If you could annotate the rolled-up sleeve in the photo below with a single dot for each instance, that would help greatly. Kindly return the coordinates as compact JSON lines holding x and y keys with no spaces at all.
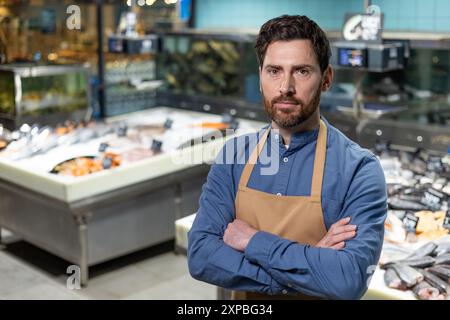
{"x":328,"y":273}
{"x":209,"y":258}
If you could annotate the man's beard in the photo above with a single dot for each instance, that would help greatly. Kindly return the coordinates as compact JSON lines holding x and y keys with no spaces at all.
{"x":292,"y":118}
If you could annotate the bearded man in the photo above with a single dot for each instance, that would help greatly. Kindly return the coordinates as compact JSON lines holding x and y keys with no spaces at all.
{"x":314,"y":227}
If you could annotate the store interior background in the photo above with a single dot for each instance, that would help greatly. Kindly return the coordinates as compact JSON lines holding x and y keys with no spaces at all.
{"x":426,"y":23}
{"x":35,"y":31}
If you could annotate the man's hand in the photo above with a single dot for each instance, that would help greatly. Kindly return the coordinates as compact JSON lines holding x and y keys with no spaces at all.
{"x":238,"y":234}
{"x":338,"y":234}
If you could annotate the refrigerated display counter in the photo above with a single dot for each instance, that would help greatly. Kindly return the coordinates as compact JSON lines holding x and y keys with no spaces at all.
{"x":33,"y":92}
{"x":88,"y":217}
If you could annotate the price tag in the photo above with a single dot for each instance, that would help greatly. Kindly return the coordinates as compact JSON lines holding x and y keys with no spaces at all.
{"x":168,"y":123}
{"x":156,"y":145}
{"x":446,"y":224}
{"x":447,"y":217}
{"x":410,"y":222}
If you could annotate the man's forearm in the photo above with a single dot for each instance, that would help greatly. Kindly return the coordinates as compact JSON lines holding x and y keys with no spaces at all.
{"x":212,"y":261}
{"x":321,"y":272}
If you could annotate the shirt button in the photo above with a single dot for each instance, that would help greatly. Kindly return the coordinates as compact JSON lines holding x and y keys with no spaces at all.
{"x":289,"y":285}
{"x":284,"y":291}
{"x":279,"y":194}
{"x":277,"y":136}
{"x":286,"y":159}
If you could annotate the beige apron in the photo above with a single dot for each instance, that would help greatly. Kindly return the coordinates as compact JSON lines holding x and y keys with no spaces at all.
{"x":297,"y":218}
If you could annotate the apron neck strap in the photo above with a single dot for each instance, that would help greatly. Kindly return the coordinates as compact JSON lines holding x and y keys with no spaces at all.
{"x":248,"y":168}
{"x":319,"y":161}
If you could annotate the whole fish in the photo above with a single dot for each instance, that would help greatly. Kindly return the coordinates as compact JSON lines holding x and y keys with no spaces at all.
{"x":443,"y":259}
{"x":446,"y":266}
{"x":422,"y":262}
{"x":408,"y":275}
{"x":410,"y":198}
{"x":425,"y":250}
{"x":398,"y":204}
{"x":441,"y":272}
{"x":392,"y":280}
{"x":442,"y":248}
{"x":435,"y":281}
{"x":393,"y":253}
{"x":424,"y":291}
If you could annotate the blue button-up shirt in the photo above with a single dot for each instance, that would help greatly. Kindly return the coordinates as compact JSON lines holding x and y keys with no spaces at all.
{"x":353,"y":185}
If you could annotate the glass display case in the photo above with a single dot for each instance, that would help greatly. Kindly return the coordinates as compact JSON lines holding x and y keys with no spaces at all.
{"x":209,"y":71}
{"x":130,"y":82}
{"x":197,"y":65}
{"x":419,"y":95}
{"x":218,"y":73}
{"x":45,"y":94}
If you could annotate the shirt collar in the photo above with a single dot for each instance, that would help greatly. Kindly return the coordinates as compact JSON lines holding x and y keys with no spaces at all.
{"x":299,"y":139}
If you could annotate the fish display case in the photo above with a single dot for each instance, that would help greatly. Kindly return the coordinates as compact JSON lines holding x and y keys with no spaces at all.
{"x":407,"y":107}
{"x":90,"y":192}
{"x":44,"y":94}
{"x":421,"y":126}
{"x":416,"y":252}
{"x":130,"y":83}
{"x":218,"y":72}
{"x":211,"y":72}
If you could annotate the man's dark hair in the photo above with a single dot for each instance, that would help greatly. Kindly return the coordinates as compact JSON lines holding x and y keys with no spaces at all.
{"x":296,"y":27}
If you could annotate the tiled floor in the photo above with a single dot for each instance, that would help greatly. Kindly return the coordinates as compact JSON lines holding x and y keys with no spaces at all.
{"x":27,"y":272}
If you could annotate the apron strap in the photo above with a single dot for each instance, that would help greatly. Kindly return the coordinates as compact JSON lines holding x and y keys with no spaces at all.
{"x":248,"y":168}
{"x":319,"y":161}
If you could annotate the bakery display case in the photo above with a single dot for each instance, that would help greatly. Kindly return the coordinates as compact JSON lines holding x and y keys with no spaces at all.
{"x":44,"y":94}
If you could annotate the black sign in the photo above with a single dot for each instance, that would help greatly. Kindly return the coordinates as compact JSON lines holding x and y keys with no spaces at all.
{"x":447,"y":216}
{"x":168,"y":123}
{"x":410,"y":222}
{"x":447,"y":220}
{"x":433,"y":199}
{"x":122,"y":130}
{"x":156,"y":145}
{"x":103,"y":146}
